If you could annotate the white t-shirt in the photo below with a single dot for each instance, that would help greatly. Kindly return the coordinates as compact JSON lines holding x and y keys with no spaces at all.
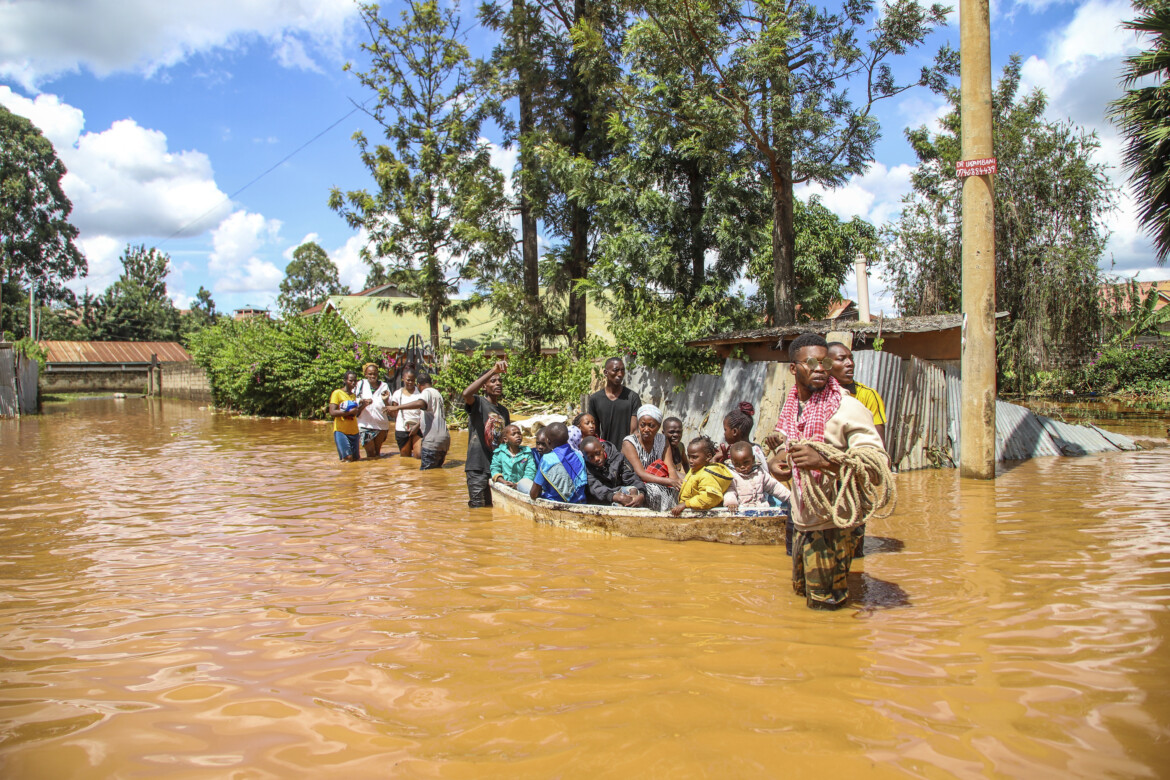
{"x":374,"y":415}
{"x":434,"y":425}
{"x":401,"y":396}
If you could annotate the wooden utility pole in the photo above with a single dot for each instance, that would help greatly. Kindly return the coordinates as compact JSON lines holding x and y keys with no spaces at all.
{"x":977,"y":421}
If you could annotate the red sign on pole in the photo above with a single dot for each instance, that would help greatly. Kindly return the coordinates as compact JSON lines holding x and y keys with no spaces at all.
{"x":984,"y":166}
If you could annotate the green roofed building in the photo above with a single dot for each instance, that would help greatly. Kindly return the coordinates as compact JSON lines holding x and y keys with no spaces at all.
{"x":371,"y":315}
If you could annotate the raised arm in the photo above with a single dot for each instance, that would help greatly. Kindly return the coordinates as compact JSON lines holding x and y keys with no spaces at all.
{"x":419,"y":404}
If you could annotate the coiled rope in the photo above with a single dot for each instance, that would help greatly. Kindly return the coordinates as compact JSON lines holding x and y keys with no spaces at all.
{"x":866,"y":487}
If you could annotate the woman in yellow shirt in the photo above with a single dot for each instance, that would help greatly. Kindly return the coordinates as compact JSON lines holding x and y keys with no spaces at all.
{"x":344,"y":408}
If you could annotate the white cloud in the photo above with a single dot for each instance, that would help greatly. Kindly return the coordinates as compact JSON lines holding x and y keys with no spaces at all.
{"x":504,"y":159}
{"x":45,"y":38}
{"x":124,"y":181}
{"x":101,"y":254}
{"x":351,"y":269}
{"x":874,"y":196}
{"x":290,"y":52}
{"x":235,"y":263}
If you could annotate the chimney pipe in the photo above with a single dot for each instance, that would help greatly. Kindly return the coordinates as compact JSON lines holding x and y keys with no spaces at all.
{"x":862,"y":289}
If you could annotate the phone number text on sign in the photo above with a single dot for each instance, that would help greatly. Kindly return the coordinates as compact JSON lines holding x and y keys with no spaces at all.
{"x":981,"y":167}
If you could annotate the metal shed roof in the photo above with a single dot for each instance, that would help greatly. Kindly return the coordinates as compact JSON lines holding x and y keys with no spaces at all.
{"x":115,"y":351}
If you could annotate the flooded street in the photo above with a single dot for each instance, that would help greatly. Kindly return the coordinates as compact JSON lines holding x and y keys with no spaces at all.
{"x":195,"y":596}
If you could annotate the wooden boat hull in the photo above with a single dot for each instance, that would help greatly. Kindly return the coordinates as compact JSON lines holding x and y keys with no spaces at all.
{"x":749,"y":526}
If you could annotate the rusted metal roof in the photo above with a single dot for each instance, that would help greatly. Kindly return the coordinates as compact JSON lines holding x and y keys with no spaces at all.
{"x":923,"y":324}
{"x":79,"y":352}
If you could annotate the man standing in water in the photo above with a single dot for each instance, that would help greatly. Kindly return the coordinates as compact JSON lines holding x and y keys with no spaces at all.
{"x":613,"y":407}
{"x":842,"y":371}
{"x":486,"y":419}
{"x":816,"y":409}
{"x":434,"y":438}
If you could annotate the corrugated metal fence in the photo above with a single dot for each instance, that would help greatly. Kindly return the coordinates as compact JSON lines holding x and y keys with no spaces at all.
{"x":922,"y":404}
{"x":8,"y":399}
{"x":27,"y":373}
{"x":18,"y":384}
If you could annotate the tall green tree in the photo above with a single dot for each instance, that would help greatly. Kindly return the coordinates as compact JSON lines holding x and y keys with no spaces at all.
{"x":1050,"y":205}
{"x":826,"y":247}
{"x":136,"y":307}
{"x":36,"y":239}
{"x":202,"y":314}
{"x":309,"y":278}
{"x":681,"y":204}
{"x":796,"y":82}
{"x":575,"y":144}
{"x":1143,"y":116}
{"x":439,"y":211}
{"x":521,"y":60}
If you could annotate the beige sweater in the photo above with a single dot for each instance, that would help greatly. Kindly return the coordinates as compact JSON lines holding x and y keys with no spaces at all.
{"x":852,"y":426}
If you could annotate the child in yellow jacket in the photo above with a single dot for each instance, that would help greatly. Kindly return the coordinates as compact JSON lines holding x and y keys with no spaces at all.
{"x":706,"y":481}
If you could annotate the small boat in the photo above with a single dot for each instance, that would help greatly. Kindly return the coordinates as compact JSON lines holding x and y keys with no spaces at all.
{"x":747,"y":526}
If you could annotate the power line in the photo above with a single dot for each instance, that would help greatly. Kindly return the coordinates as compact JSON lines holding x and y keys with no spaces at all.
{"x":281,"y":162}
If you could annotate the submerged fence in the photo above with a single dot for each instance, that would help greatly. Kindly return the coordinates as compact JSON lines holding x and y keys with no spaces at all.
{"x":922,"y":405}
{"x":18,"y":383}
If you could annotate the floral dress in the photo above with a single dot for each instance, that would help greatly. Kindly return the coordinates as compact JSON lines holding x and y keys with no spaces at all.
{"x":658,"y":497}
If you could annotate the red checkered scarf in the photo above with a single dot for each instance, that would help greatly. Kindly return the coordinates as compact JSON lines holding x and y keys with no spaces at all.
{"x":822,"y":405}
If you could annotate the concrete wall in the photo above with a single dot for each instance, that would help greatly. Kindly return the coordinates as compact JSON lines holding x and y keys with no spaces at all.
{"x":186,"y":381}
{"x":94,"y":380}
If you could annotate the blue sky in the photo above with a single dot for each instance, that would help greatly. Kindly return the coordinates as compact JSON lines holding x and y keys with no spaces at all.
{"x":163,"y":111}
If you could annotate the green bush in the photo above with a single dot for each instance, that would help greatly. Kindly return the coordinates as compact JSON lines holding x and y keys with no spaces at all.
{"x":555,"y":380}
{"x":1129,"y":368}
{"x":283,"y":367}
{"x":32,"y":350}
{"x":657,"y":334}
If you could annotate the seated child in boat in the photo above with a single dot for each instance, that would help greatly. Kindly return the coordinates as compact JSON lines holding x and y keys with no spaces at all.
{"x":611,"y":479}
{"x":751,"y":484}
{"x":737,"y":427}
{"x":512,"y":462}
{"x":706,"y":482}
{"x":672,"y":429}
{"x":587,"y":423}
{"x":560,"y":475}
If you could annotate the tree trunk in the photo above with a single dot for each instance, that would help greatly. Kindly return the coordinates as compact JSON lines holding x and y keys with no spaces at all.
{"x":578,"y":261}
{"x":433,"y":316}
{"x":528,"y":246}
{"x":578,"y":269}
{"x":783,"y":210}
{"x":695,"y":182}
{"x":783,"y":249}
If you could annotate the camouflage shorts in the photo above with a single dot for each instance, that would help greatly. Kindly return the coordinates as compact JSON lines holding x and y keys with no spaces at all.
{"x":820,"y":566}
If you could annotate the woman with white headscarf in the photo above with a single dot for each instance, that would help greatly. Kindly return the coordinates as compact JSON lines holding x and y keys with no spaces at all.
{"x":651,"y":460}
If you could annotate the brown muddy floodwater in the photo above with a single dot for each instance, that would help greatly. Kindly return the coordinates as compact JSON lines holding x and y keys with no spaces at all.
{"x":187,"y":595}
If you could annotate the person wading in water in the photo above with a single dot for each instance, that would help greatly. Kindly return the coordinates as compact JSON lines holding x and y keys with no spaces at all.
{"x":486,"y":419}
{"x":817,"y":410}
{"x":842,"y":371}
